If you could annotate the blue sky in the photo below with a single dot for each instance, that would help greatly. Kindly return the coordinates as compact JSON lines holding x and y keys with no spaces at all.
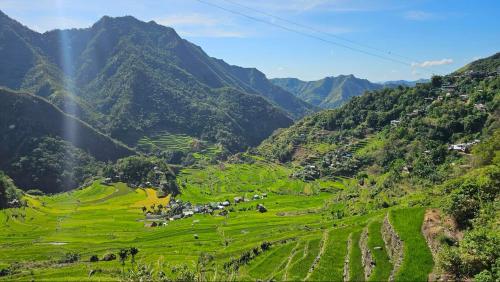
{"x":425,"y":36}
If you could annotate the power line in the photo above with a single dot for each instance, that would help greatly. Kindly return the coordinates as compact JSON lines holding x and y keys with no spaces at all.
{"x":388,"y":52}
{"x":305,"y":34}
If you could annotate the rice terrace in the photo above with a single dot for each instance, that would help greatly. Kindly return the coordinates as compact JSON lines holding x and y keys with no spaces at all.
{"x":133,"y":147}
{"x":305,"y":241}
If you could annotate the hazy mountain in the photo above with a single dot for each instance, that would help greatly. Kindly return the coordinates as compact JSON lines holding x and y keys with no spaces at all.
{"x":329,"y":92}
{"x":409,"y":83}
{"x":130,"y":78}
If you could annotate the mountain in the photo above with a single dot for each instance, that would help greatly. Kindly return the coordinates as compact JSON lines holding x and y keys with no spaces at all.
{"x":36,"y":144}
{"x":403,"y":123}
{"x":395,"y":83}
{"x":130,"y":79}
{"x":329,"y":92}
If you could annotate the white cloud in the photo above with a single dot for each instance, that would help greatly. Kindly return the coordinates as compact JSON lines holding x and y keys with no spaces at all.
{"x":200,"y":25}
{"x":418,"y":16}
{"x":426,"y":64}
{"x":211,"y":32}
{"x":188,"y":20}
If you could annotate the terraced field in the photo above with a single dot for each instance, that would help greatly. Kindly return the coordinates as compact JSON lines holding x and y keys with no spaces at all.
{"x":307,"y":244}
{"x":178,"y":142}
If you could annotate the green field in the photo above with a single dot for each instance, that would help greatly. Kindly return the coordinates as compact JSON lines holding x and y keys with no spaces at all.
{"x":307,"y":242}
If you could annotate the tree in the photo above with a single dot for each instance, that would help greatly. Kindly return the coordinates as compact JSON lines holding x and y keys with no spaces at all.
{"x":123,"y":254}
{"x":436,"y":81}
{"x":133,"y":251}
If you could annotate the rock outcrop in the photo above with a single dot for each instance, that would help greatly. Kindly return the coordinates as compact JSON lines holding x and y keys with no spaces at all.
{"x":347,"y":258}
{"x":394,"y":246}
{"x":366,"y":255}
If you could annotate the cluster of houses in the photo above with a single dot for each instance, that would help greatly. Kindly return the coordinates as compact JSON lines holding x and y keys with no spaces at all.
{"x":463,"y":147}
{"x":479,"y":74}
{"x":177,"y":209}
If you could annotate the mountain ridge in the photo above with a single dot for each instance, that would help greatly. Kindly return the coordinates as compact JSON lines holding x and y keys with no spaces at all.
{"x":99,"y":75}
{"x":334,"y":91}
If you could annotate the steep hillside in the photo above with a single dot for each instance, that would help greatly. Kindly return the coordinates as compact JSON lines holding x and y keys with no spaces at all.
{"x":448,"y":110}
{"x":329,"y":92}
{"x":26,"y":121}
{"x":132,"y":79}
{"x":440,"y":137}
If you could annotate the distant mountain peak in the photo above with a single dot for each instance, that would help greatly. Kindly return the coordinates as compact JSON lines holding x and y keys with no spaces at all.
{"x":329,"y":92}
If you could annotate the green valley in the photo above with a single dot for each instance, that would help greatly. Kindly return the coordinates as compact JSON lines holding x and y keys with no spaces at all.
{"x":127,"y":153}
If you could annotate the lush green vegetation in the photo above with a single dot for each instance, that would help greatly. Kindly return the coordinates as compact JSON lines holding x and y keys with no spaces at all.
{"x":356,"y":272}
{"x":131,"y":79}
{"x":301,"y":194}
{"x":383,"y":265}
{"x":87,"y":224}
{"x":417,"y":262}
{"x":8,"y":191}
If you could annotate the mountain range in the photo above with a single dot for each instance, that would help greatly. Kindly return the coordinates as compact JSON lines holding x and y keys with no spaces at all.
{"x":129,"y":79}
{"x":332,"y":92}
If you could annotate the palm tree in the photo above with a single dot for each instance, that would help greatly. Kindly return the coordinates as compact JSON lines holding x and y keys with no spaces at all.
{"x":133,"y":251}
{"x":123,"y":253}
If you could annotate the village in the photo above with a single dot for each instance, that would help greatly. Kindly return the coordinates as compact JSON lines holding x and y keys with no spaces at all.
{"x":176,"y":209}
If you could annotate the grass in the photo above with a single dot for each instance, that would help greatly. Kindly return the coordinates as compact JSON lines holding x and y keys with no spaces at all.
{"x":417,"y":262}
{"x":331,"y":265}
{"x":356,"y":272}
{"x":383,"y":265}
{"x":301,"y":266}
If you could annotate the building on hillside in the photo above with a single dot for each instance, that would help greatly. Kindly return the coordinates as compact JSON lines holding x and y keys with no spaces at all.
{"x":480,"y":107}
{"x":395,"y":122}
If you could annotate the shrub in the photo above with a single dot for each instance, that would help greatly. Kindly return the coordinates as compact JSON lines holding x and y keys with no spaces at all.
{"x":35,"y":192}
{"x":109,"y":257}
{"x":94,"y":258}
{"x":70,"y":258}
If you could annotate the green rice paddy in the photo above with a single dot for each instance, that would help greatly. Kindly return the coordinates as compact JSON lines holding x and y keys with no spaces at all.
{"x":308,"y":244}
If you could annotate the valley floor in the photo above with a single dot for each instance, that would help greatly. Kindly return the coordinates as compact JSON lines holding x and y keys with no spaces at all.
{"x":307,"y":243}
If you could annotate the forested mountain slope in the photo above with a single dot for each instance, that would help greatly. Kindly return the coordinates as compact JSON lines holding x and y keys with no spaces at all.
{"x":37,"y":144}
{"x":132,"y":79}
{"x":441,"y":138}
{"x":329,"y":92}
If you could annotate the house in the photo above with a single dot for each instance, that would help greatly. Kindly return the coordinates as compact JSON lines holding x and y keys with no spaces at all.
{"x":220,"y":207}
{"x":14,"y":203}
{"x":464,"y":97}
{"x":395,"y":122}
{"x":107,"y":181}
{"x":413,"y":114}
{"x":256,"y":197}
{"x":448,"y":88}
{"x":226,"y":203}
{"x":238,"y":200}
{"x":198,"y":209}
{"x":264,"y":195}
{"x":187,"y":213}
{"x":480,"y":107}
